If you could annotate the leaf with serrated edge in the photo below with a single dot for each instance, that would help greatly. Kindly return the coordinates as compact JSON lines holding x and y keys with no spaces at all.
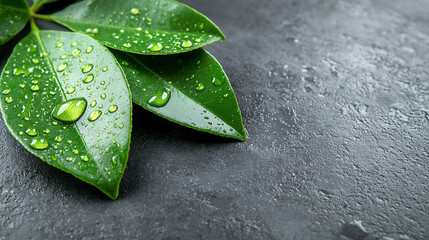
{"x":14,"y":14}
{"x":149,"y":27}
{"x":200,"y":95}
{"x":46,"y":69}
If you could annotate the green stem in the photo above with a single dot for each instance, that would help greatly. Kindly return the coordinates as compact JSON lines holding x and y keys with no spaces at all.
{"x":36,"y":6}
{"x":34,"y":27}
{"x":44,"y":17}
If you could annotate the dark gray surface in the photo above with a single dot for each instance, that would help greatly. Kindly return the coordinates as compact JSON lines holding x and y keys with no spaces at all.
{"x":334,"y":96}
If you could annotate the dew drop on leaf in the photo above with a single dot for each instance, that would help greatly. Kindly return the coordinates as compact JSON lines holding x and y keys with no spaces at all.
{"x":155,"y":47}
{"x":87,"y":67}
{"x":161,"y":98}
{"x":135,"y":11}
{"x":200,"y":87}
{"x":39,"y":143}
{"x":62,"y":67}
{"x":88,"y":78}
{"x":31,"y":132}
{"x":217,"y":82}
{"x":187,"y":44}
{"x":9,"y":99}
{"x":113,"y":108}
{"x":69,"y":111}
{"x":94,"y":115}
{"x":6,"y":91}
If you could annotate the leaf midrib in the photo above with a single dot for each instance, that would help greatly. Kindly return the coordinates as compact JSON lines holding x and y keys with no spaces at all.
{"x":117,"y":26}
{"x":37,"y":34}
{"x":14,"y":8}
{"x":161,"y":78}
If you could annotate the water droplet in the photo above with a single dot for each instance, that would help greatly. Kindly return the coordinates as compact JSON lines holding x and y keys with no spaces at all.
{"x":94,"y":115}
{"x":6,"y":91}
{"x":35,"y":88}
{"x":21,"y":85}
{"x":127,"y":45}
{"x":161,"y":98}
{"x":217,"y":82}
{"x":35,"y":61}
{"x":84,"y":158}
{"x":39,"y":143}
{"x":69,"y":159}
{"x":76,"y":151}
{"x":155,"y":47}
{"x":200,"y":87}
{"x":75,"y":52}
{"x":89,"y":49}
{"x":62,"y":67}
{"x":9,"y":99}
{"x":187,"y":44}
{"x":53,"y":158}
{"x":58,"y":139}
{"x":88,"y":67}
{"x":105,"y":69}
{"x":70,"y":90}
{"x":135,"y":11}
{"x":226,"y":95}
{"x":88,"y":78}
{"x":31,"y":132}
{"x":113,"y":108}
{"x":103,"y":96}
{"x":18,"y":72}
{"x":70,"y":111}
{"x":59,"y":44}
{"x":74,"y":44}
{"x":93,"y":103}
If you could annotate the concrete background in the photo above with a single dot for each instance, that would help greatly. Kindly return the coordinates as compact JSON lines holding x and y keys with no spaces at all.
{"x":334,"y":95}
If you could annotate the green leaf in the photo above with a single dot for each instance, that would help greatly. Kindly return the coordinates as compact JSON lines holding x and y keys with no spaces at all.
{"x":14,"y":14}
{"x":150,"y":27}
{"x":190,"y":89}
{"x":49,"y":68}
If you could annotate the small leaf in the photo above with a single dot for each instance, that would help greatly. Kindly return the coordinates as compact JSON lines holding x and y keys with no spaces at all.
{"x":48,"y":108}
{"x":150,"y":27}
{"x":190,"y":89}
{"x":14,"y":14}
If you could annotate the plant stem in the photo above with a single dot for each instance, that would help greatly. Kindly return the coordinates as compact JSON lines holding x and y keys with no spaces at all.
{"x":36,"y":7}
{"x":44,"y":17}
{"x":34,"y":27}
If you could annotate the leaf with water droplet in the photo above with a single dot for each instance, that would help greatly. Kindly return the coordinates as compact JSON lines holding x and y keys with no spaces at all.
{"x":149,"y":27}
{"x":187,"y":88}
{"x":46,"y":107}
{"x":14,"y":14}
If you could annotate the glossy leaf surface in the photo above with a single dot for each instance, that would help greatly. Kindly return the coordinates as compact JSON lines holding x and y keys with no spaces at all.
{"x":14,"y":14}
{"x":42,"y":79}
{"x":150,"y":27}
{"x":190,"y":89}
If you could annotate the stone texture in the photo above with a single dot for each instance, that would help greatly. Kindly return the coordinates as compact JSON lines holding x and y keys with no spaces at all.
{"x":334,"y":95}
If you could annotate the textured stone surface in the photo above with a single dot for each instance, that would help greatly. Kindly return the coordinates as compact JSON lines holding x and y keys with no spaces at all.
{"x":334,"y":95}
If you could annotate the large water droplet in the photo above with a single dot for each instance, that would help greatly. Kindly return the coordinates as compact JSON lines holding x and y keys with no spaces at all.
{"x":31,"y":132}
{"x":135,"y":11}
{"x":88,"y":78}
{"x":155,"y":47}
{"x":161,"y":98}
{"x":75,"y":52}
{"x":88,"y":67}
{"x":6,"y":91}
{"x":113,"y":108}
{"x":94,"y":115}
{"x":200,"y":87}
{"x":70,"y":90}
{"x":187,"y":44}
{"x":62,"y":67}
{"x":9,"y":99}
{"x":39,"y":143}
{"x":217,"y":81}
{"x":89,"y":49}
{"x":35,"y":88}
{"x":70,"y":111}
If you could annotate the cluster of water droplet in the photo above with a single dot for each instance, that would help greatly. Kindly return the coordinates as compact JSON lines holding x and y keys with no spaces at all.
{"x":138,"y":28}
{"x":66,"y":106}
